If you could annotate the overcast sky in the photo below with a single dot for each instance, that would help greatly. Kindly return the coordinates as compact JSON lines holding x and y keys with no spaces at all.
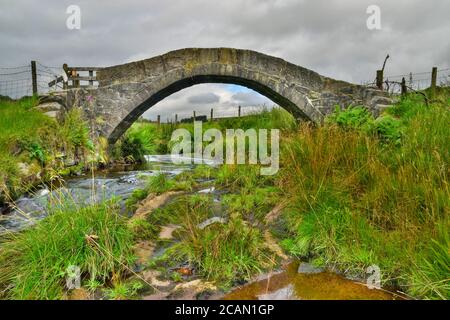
{"x":329,"y":37}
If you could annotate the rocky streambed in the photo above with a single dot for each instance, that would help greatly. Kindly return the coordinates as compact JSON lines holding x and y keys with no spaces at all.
{"x":292,"y":280}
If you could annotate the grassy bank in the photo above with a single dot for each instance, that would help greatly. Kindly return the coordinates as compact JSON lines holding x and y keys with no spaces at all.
{"x":364,"y":191}
{"x":35,"y":147}
{"x":34,"y":264}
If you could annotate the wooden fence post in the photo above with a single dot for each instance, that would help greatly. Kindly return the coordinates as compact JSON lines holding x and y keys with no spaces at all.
{"x":66,"y":83}
{"x":34,"y":77}
{"x":212,"y":114}
{"x":91,"y":74}
{"x":433,"y":83}
{"x":158,"y":120}
{"x":194,"y":116}
{"x":176,"y":118}
{"x":404,"y":90}
{"x":380,"y":79}
{"x":239,"y":111}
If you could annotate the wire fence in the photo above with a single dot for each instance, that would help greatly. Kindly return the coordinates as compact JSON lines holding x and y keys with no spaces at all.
{"x":17,"y":82}
{"x":200,"y":114}
{"x":417,"y":80}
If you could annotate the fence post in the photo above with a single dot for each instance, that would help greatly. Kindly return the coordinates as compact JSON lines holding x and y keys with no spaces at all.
{"x":212,"y":114}
{"x":176,"y":118}
{"x":380,"y":79}
{"x":239,"y":111}
{"x":66,"y":70}
{"x":34,"y":77}
{"x":78,"y":81}
{"x":404,"y":90}
{"x":91,"y":74}
{"x":158,"y":120}
{"x":194,"y":116}
{"x":433,"y":83}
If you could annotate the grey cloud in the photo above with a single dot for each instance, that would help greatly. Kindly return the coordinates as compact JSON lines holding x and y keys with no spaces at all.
{"x":203,"y":98}
{"x":327,"y":36}
{"x":248,"y":98}
{"x":180,"y":103}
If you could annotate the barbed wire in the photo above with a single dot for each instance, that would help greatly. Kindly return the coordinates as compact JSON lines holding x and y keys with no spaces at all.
{"x":10,"y":68}
{"x":415,"y":73}
{"x":14,"y":73}
{"x":412,"y":79}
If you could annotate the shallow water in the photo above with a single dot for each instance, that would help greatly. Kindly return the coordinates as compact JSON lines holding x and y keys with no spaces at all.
{"x":291,"y":285}
{"x":107,"y":184}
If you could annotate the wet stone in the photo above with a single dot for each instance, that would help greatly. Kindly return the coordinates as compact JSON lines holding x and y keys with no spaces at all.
{"x":287,"y":293}
{"x":307,"y":268}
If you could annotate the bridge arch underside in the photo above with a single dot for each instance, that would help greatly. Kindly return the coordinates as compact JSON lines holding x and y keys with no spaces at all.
{"x":290,"y":98}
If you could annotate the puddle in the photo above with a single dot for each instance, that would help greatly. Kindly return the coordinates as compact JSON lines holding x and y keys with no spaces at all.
{"x":291,"y":285}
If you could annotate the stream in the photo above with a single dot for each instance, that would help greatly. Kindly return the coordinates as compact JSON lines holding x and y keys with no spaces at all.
{"x":289,"y":282}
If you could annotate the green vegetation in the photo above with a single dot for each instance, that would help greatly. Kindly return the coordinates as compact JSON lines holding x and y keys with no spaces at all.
{"x":143,"y":138}
{"x":364,"y":191}
{"x":232,"y":249}
{"x":386,"y":127}
{"x":95,"y":238}
{"x":356,"y":191}
{"x":253,"y":205}
{"x":225,"y":253}
{"x":35,"y":147}
{"x":157,"y":184}
{"x":125,"y":290}
{"x":268,"y":119}
{"x":148,"y":138}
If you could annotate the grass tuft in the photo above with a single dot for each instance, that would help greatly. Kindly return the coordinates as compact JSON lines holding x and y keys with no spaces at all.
{"x":33,"y":263}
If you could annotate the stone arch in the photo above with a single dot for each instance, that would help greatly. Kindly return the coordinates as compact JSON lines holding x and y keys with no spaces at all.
{"x":126,"y":91}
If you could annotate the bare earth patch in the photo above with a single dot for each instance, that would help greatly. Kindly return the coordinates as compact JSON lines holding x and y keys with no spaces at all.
{"x":166,"y":232}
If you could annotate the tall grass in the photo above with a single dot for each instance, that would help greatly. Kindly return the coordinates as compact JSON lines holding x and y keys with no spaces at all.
{"x":34,"y":263}
{"x":33,"y":145}
{"x":228,"y":253}
{"x":360,"y":197}
{"x":23,"y":132}
{"x":225,"y":253}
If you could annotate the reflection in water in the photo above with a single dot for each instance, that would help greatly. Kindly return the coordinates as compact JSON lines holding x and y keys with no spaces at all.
{"x":290,"y":284}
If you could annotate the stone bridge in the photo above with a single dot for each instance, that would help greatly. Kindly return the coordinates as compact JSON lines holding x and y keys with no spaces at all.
{"x":126,"y":91}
